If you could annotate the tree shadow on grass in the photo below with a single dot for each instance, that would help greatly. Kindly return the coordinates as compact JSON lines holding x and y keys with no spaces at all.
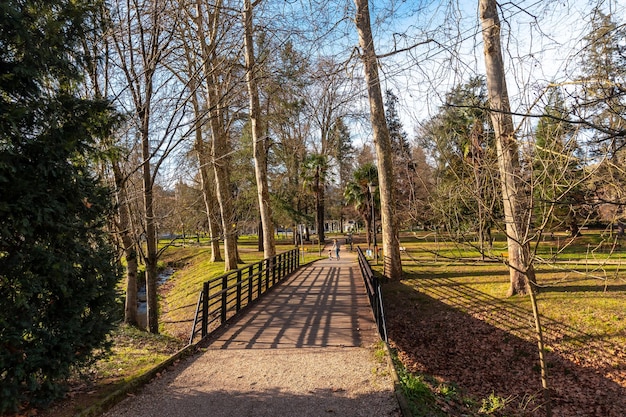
{"x":453,"y":342}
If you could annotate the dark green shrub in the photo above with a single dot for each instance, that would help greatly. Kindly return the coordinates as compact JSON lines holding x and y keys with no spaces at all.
{"x":57,"y":271}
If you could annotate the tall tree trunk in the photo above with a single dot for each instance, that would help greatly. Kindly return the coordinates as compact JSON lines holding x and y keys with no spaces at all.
{"x":391,"y":244}
{"x":516,"y":210}
{"x":139,"y":64}
{"x":221,"y":163}
{"x":128,"y":245}
{"x":259,"y":145}
{"x":516,"y":204}
{"x":319,"y":204}
{"x":150,"y":224}
{"x":220,"y":158}
{"x":206,"y":177}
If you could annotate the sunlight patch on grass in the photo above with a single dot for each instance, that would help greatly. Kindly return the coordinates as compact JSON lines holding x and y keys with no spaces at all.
{"x":134,"y":352}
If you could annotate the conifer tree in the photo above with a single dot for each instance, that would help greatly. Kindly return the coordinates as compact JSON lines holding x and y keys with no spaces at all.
{"x":57,"y":273}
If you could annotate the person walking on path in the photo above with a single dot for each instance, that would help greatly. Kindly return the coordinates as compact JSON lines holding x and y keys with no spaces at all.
{"x":336,"y":248}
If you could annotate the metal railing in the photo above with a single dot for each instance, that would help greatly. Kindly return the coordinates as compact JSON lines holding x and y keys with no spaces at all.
{"x":374,"y":293}
{"x":224,"y":296}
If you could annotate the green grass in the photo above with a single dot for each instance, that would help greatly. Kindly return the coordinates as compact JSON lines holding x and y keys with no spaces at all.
{"x":418,"y":392}
{"x":583,"y":303}
{"x":134,"y":352}
{"x":591,"y":246}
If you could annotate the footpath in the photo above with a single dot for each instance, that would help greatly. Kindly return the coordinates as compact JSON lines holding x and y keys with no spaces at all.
{"x":307,"y":348}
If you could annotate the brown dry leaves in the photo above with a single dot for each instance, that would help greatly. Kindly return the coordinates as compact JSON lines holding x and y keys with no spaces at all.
{"x":480,"y":359}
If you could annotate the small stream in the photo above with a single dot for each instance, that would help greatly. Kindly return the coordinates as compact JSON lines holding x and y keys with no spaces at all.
{"x":142,"y":306}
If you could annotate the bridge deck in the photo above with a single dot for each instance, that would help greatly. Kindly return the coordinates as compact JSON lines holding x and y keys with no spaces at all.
{"x":321,"y":305}
{"x":305,"y":349}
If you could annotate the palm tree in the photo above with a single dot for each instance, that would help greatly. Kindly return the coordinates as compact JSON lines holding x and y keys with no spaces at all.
{"x":357,"y":193}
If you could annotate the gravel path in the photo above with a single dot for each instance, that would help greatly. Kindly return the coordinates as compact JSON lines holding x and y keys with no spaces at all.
{"x":306,"y":349}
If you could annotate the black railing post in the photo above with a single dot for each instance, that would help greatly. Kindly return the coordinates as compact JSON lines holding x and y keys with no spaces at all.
{"x":275,"y":264}
{"x":268,"y":264}
{"x":239,"y":284}
{"x":205,"y":309}
{"x":224,"y":297}
{"x":250,"y":270}
{"x":260,"y":278}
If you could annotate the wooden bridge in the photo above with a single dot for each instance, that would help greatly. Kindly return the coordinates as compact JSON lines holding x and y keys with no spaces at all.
{"x":306,"y":348}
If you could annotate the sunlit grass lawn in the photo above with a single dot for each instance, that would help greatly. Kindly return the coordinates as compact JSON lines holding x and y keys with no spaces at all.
{"x":583,"y":301}
{"x":592,"y":246}
{"x":134,"y":352}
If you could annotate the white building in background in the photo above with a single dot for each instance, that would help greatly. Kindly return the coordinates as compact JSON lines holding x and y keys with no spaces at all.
{"x":335,"y":226}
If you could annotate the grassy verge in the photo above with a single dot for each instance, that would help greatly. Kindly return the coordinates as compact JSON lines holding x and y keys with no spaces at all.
{"x":592,"y":246}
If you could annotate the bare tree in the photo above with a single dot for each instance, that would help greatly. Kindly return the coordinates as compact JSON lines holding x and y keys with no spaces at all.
{"x":329,"y":99}
{"x":128,"y":239}
{"x":142,"y":45}
{"x":517,"y":208}
{"x":122,"y":222}
{"x":391,"y":245}
{"x":211,"y":25}
{"x":516,"y":203}
{"x":192,"y":77}
{"x":259,"y":140}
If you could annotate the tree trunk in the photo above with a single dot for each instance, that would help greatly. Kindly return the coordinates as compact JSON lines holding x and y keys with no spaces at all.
{"x":391,"y":244}
{"x":220,"y":158}
{"x":260,"y":242}
{"x":516,"y":210}
{"x":319,"y":204}
{"x":206,"y":177}
{"x":258,"y":141}
{"x":128,"y":245}
{"x":224,"y":195}
{"x":150,"y":230}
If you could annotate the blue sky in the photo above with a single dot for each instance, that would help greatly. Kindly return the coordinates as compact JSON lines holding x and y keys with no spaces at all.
{"x":541,"y":40}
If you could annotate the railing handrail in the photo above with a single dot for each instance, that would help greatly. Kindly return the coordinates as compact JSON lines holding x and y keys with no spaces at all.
{"x":374,"y":293}
{"x":269,"y":272}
